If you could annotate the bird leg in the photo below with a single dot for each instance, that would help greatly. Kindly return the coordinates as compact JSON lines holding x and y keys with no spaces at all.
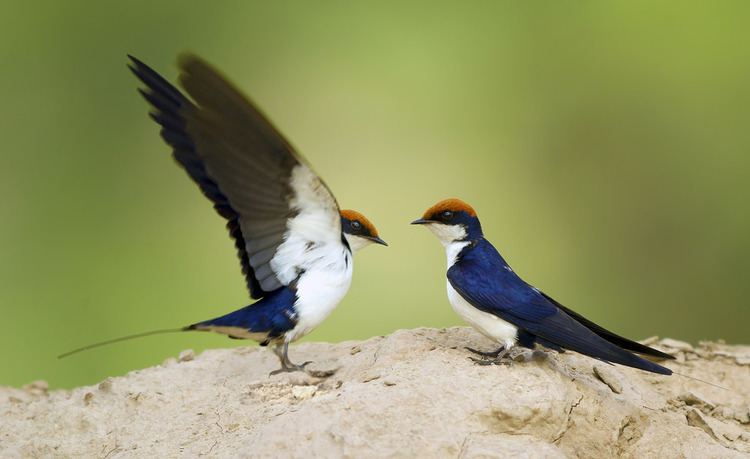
{"x":497,"y":357}
{"x":287,"y":366}
{"x":282,"y":352}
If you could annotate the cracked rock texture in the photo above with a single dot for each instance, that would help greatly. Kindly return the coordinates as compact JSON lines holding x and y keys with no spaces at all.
{"x":411,"y":394}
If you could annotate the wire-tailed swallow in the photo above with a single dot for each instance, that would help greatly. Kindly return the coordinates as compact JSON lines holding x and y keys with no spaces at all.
{"x":294,"y":244}
{"x":490,"y":296}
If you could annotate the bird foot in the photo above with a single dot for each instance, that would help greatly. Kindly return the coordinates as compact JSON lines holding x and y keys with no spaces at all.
{"x":492,"y":354}
{"x":496,"y":361}
{"x":302,"y":367}
{"x":290,"y":368}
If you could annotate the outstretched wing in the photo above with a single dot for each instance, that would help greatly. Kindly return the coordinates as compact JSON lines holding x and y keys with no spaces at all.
{"x":273,"y":202}
{"x":480,"y":279}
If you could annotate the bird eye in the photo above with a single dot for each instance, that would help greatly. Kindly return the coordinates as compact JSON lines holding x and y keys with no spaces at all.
{"x":447,"y":215}
{"x":356,"y":225}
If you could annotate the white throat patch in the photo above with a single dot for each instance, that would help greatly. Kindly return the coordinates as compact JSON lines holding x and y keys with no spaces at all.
{"x":451,"y":237}
{"x":356,"y":242}
{"x":447,"y":234}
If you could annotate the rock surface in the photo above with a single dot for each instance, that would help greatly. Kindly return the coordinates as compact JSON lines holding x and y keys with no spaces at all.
{"x":411,"y":394}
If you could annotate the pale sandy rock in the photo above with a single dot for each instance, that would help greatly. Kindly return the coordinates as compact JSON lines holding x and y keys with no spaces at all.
{"x":414,"y":393}
{"x":304,"y":392}
{"x":186,"y":355}
{"x":676,"y":344}
{"x":39,"y":387}
{"x":649,"y":341}
{"x":609,"y":376}
{"x":694,"y":399}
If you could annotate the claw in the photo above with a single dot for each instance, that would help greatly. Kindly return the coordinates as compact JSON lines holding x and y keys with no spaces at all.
{"x":281,"y":370}
{"x":302,"y":367}
{"x":497,"y":357}
{"x":492,"y":354}
{"x":482,"y":362}
{"x":487,"y":362}
{"x":287,"y":366}
{"x":474,"y":351}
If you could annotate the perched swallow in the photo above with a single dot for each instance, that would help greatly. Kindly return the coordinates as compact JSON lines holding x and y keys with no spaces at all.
{"x":294,"y":244}
{"x":490,"y":296}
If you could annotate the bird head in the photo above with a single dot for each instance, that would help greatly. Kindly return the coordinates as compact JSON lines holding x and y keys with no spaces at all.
{"x":358,"y":230}
{"x":451,"y":220}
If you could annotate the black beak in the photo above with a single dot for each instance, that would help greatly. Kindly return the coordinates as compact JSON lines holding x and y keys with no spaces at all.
{"x":377,"y":240}
{"x":421,"y":221}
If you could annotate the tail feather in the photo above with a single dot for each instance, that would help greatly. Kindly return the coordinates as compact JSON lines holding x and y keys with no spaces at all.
{"x":615,"y":354}
{"x":565,"y":331}
{"x":122,"y":338}
{"x":613,"y":338}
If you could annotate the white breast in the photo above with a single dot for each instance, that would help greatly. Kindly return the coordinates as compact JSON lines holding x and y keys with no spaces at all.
{"x":487,"y":324}
{"x":312,"y":253}
{"x":320,"y":289}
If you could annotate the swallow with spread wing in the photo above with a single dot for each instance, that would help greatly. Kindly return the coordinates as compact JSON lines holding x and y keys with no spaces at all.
{"x":294,"y":243}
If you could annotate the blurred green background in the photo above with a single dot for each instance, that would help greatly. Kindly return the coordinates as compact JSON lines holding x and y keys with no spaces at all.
{"x":604,"y":144}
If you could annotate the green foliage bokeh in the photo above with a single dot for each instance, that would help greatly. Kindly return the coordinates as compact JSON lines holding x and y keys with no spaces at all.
{"x":604,"y":145}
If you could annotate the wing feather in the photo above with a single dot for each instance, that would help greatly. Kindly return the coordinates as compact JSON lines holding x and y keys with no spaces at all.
{"x":480,"y":279}
{"x":248,"y":170}
{"x":613,"y":338}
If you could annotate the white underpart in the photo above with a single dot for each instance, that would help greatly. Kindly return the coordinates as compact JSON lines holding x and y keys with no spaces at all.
{"x":320,"y":290}
{"x":313,"y":251}
{"x":487,"y":324}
